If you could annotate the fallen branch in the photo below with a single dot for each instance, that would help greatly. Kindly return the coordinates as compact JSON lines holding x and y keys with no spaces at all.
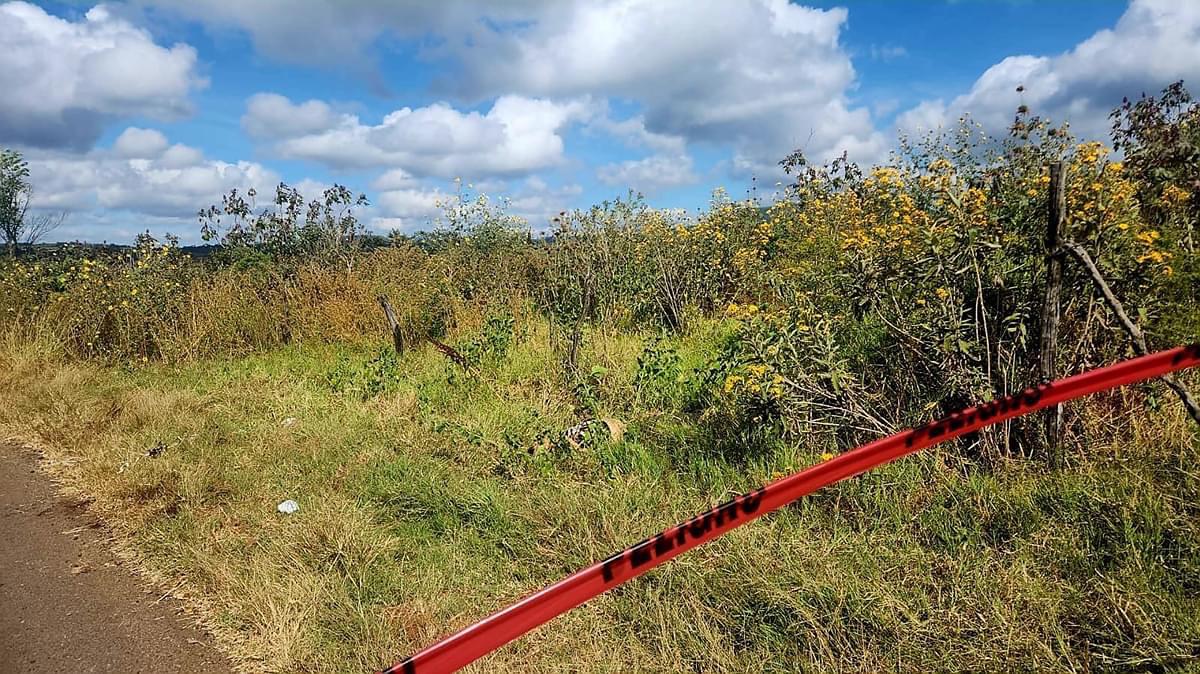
{"x":449,"y":352}
{"x":1131,"y":328}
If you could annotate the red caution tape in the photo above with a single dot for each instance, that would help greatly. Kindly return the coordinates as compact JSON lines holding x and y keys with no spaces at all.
{"x":504,"y":626}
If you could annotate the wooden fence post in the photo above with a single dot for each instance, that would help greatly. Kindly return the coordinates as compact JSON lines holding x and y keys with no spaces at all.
{"x":397,"y":334}
{"x":1048,"y":347}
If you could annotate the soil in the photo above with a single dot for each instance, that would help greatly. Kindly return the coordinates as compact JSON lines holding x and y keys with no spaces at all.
{"x":67,"y":603}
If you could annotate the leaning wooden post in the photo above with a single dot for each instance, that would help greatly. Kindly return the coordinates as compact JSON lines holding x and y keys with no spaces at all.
{"x":397,"y":335}
{"x":1050,"y":307}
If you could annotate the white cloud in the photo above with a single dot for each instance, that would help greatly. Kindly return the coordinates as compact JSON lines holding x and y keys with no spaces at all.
{"x":160,"y":182}
{"x":538,"y":202}
{"x":408,"y":209}
{"x":669,"y":166}
{"x":274,"y":116}
{"x":180,"y":156}
{"x":651,"y":174}
{"x":395,"y":179}
{"x":345,"y":30}
{"x":135,"y":143}
{"x":409,"y":205}
{"x":64,"y":81}
{"x":403,"y":202}
{"x":1154,"y":43}
{"x":120,"y":227}
{"x":517,"y":135}
{"x":633,"y":132}
{"x":762,"y":76}
{"x":765,"y":76}
{"x":311,"y":189}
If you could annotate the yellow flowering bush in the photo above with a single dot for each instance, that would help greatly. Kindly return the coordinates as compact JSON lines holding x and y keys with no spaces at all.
{"x":924,"y":279}
{"x":109,"y":306}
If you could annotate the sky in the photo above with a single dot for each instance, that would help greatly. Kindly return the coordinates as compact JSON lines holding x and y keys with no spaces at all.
{"x":135,"y":115}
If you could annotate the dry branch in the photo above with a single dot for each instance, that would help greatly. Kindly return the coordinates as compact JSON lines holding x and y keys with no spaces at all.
{"x":1131,"y":328}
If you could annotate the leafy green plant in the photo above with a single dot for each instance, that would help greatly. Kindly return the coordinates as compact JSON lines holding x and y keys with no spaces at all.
{"x":493,"y":342}
{"x":365,"y":379}
{"x":658,"y":373}
{"x":586,"y":388}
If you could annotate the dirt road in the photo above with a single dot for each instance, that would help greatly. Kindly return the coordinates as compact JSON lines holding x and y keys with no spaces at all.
{"x":67,"y":604}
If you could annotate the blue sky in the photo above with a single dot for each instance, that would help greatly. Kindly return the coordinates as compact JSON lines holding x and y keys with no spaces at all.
{"x":135,"y":115}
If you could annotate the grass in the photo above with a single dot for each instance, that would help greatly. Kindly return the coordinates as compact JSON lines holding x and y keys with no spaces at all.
{"x":436,"y":501}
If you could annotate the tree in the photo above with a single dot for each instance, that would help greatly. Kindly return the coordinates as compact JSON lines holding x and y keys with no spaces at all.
{"x":17,"y":224}
{"x":14,"y":197}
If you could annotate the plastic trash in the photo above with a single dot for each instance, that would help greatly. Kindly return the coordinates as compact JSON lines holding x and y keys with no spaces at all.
{"x":288,"y":507}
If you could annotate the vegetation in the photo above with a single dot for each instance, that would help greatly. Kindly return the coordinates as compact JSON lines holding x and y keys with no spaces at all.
{"x":447,"y":480}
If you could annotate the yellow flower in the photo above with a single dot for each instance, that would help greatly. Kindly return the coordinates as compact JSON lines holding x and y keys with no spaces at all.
{"x":1173,"y":195}
{"x":826,"y":456}
{"x":943,"y":293}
